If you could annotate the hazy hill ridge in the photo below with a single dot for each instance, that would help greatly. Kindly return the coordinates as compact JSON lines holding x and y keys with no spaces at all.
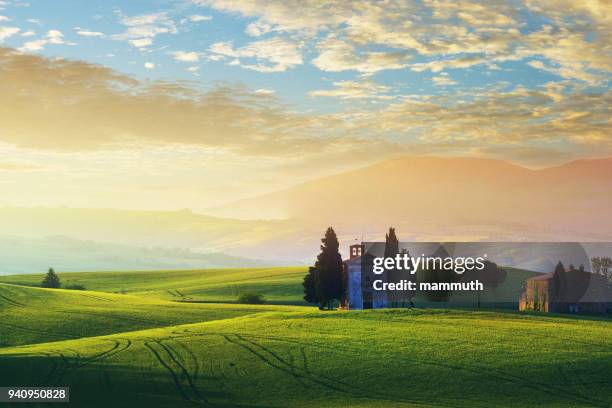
{"x":427,"y":199}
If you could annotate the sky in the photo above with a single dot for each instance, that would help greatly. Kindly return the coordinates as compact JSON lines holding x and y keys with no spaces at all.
{"x":196,"y":103}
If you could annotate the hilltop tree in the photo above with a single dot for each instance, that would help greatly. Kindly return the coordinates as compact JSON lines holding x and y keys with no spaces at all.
{"x":323,"y":284}
{"x":51,"y":280}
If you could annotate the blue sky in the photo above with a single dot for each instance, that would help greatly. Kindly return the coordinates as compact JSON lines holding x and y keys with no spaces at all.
{"x":233,"y":98}
{"x":95,"y":31}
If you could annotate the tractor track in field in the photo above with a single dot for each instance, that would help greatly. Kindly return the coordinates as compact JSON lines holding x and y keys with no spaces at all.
{"x":182,"y":372}
{"x":96,"y":297}
{"x":273,"y":360}
{"x":56,"y":335}
{"x":568,"y":378}
{"x":542,"y":387}
{"x":173,"y":374}
{"x":538,"y":386}
{"x":174,"y":357}
{"x":325,"y":382}
{"x":53,"y":369}
{"x":66,"y":365}
{"x":517,"y":380}
{"x":12,"y":301}
{"x":192,"y":356}
{"x":77,"y":361}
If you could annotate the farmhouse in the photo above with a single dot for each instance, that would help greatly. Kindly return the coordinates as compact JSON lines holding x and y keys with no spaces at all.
{"x":359,"y":285}
{"x":573,"y":291}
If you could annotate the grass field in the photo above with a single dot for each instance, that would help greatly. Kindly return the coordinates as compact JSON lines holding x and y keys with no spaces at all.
{"x":35,"y":315}
{"x":141,"y":350}
{"x":281,"y":285}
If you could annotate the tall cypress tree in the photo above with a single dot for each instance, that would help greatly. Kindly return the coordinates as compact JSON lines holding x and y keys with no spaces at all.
{"x":391,"y":250}
{"x":329,"y":265}
{"x":391,"y":244}
{"x":51,"y":280}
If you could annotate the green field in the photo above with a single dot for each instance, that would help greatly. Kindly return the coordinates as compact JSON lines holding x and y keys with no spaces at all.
{"x":140,"y":349}
{"x":35,"y":315}
{"x":281,"y":285}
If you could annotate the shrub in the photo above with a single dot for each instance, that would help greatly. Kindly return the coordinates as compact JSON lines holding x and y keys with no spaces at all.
{"x":75,"y":287}
{"x":251,"y":298}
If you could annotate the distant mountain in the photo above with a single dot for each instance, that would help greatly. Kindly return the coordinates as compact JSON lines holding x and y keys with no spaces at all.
{"x":36,"y":255}
{"x":479,"y":196}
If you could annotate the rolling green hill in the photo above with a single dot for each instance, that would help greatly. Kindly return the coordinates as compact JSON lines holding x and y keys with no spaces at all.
{"x":35,"y":315}
{"x":376,"y":358}
{"x":280,"y":285}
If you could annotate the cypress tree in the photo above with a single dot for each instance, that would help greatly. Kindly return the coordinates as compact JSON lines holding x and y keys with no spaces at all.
{"x":391,"y":244}
{"x":51,"y":280}
{"x":329,"y":264}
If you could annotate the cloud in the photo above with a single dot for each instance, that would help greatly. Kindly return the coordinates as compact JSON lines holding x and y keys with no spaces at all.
{"x":197,"y":18}
{"x":54,"y":37}
{"x":354,"y":90}
{"x":372,"y":36}
{"x":149,"y":65}
{"x":186,"y":56}
{"x":4,"y":18}
{"x":271,"y":55}
{"x":6,"y":32}
{"x":443,"y":80}
{"x":56,"y":104}
{"x":142,"y":29}
{"x":337,"y":56}
{"x":88,"y":33}
{"x":141,"y":42}
{"x":49,"y":105}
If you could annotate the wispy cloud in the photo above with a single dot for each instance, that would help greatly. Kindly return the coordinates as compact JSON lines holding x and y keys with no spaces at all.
{"x":197,"y":18}
{"x":88,"y":33}
{"x":54,"y":37}
{"x":449,"y":34}
{"x":186,"y":56}
{"x":142,"y":29}
{"x":443,"y":80}
{"x":355,"y":90}
{"x":270,"y":55}
{"x":6,"y":32}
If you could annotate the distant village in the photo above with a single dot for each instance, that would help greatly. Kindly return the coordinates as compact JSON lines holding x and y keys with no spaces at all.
{"x":351,"y":283}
